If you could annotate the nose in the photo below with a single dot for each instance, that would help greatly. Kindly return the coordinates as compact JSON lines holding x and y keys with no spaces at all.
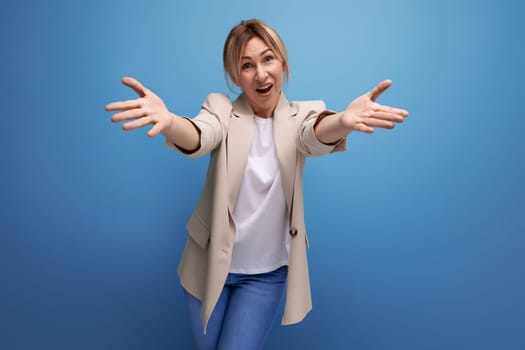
{"x":261,"y":73}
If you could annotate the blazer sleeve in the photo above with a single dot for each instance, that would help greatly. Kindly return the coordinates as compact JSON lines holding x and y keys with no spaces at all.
{"x":309,"y":113}
{"x":211,"y":123}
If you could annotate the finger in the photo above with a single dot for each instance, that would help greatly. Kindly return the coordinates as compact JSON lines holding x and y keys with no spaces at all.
{"x":123,"y":105}
{"x":155,"y":130}
{"x":135,"y":85}
{"x":379,"y":89}
{"x":394,"y":117}
{"x":379,"y":123}
{"x":136,"y":124}
{"x":362,"y":127}
{"x":126,"y":115}
{"x":383,"y":108}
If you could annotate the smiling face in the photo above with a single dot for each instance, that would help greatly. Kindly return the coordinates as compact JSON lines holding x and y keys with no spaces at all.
{"x":261,"y":77}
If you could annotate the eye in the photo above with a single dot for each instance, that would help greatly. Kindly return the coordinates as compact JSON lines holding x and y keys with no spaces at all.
{"x":246,"y":65}
{"x":268,"y":58}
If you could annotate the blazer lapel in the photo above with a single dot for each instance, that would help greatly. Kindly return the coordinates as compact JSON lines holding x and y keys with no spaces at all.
{"x":239,"y":141}
{"x":285,"y":134}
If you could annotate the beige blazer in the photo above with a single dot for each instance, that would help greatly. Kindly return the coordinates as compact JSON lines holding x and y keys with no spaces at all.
{"x":226,"y":132}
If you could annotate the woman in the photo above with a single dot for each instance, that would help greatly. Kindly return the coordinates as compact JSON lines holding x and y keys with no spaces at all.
{"x":247,"y":236}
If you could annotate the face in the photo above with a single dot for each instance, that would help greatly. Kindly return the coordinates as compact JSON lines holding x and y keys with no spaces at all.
{"x":261,"y":77}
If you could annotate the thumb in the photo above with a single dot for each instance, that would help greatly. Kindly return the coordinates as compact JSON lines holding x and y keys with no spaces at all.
{"x":379,"y":89}
{"x":135,"y":85}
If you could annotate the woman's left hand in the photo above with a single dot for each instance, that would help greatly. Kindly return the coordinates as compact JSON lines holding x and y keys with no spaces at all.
{"x":364,"y":114}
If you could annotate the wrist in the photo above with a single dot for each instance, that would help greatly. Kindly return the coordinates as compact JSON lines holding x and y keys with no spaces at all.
{"x":346,"y":121}
{"x":167,"y":131}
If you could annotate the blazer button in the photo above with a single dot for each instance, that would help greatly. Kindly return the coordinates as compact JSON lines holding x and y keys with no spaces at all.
{"x":293,"y":231}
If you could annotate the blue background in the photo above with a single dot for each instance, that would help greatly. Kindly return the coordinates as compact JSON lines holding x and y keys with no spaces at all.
{"x":416,"y":234}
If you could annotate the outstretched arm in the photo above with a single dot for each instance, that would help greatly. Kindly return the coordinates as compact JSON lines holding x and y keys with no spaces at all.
{"x":363,"y":114}
{"x":150,"y":109}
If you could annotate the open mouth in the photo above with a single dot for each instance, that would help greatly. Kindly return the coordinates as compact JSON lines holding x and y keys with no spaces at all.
{"x":264,"y":89}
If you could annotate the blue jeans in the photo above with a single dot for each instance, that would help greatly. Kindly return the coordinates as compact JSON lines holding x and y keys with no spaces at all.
{"x":244,"y":313}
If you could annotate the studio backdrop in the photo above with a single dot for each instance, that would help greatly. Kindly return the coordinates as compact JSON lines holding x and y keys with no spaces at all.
{"x":416,"y":234}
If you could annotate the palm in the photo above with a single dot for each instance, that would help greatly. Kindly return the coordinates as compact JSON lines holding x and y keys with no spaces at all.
{"x":364,"y":114}
{"x":148,"y":109}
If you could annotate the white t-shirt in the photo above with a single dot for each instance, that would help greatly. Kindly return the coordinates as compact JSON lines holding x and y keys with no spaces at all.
{"x":260,"y":214}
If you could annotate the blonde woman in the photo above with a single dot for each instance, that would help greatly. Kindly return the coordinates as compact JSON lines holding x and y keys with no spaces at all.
{"x":247,"y":238}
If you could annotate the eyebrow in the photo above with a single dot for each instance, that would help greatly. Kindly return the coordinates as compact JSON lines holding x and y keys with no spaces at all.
{"x":262,"y":53}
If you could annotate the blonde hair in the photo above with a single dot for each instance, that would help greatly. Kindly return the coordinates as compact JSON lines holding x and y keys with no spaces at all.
{"x":237,"y":39}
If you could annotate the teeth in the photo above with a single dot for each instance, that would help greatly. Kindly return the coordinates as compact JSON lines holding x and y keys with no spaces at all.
{"x":265,"y":88}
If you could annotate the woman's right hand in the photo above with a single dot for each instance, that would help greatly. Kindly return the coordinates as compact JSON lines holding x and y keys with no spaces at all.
{"x":145,"y":110}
